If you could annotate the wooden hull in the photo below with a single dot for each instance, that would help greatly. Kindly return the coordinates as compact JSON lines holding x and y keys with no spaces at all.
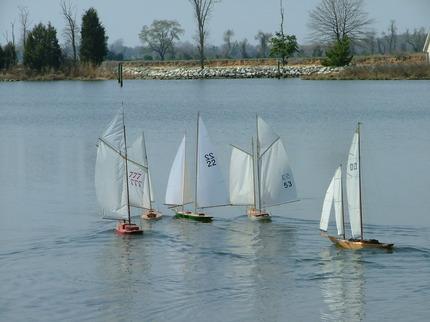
{"x":151,"y":215}
{"x":258,"y":214}
{"x":124,"y":228}
{"x":193,"y":216}
{"x":358,"y":244}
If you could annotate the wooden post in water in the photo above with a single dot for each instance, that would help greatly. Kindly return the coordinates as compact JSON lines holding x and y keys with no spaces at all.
{"x":119,"y":72}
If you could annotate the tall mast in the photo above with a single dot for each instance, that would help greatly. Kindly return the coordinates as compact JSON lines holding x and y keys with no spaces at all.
{"x":359,"y":179}
{"x":341,"y":199}
{"x":258,"y":164}
{"x":197,"y":160}
{"x":183,"y":170}
{"x":253,"y":172}
{"x":147,"y":169}
{"x":126,"y":167}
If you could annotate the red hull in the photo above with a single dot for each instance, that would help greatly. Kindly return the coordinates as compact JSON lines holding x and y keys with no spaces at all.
{"x":128,"y":229}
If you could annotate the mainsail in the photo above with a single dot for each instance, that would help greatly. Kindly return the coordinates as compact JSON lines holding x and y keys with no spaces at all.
{"x":139,"y":182}
{"x":110,"y":177}
{"x":333,"y":194}
{"x":353,"y":186}
{"x":277,"y":184}
{"x":210,"y":186}
{"x":178,"y":186}
{"x":241,"y":178}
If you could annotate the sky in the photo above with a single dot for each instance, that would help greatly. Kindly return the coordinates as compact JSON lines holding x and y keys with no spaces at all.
{"x":124,"y":19}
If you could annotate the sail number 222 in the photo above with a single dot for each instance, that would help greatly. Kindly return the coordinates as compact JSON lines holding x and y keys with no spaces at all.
{"x":210,"y":159}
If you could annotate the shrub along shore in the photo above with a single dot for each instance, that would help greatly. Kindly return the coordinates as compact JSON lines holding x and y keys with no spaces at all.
{"x":370,"y":67}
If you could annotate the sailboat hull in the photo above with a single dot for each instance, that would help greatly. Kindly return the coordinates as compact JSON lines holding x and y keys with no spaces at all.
{"x":151,"y":214}
{"x":258,"y":214}
{"x":193,"y":216}
{"x":124,"y":228}
{"x":359,"y":244}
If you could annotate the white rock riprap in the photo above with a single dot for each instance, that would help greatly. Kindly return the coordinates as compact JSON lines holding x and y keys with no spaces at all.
{"x":141,"y":72}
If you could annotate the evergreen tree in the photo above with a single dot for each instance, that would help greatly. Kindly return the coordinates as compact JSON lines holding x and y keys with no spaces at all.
{"x":339,"y":54}
{"x":93,"y":39}
{"x":42,"y":50}
{"x":9,"y":55}
{"x":1,"y":57}
{"x":283,"y":46}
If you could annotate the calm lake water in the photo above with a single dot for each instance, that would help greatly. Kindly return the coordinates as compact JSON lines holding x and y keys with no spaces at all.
{"x":60,"y":261}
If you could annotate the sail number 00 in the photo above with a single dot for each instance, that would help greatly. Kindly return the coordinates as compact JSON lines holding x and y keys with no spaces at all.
{"x":353,"y":166}
{"x":210,"y":160}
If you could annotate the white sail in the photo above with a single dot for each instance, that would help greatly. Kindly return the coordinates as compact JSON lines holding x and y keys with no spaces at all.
{"x":114,"y":133}
{"x":333,"y":194}
{"x":137,"y":185}
{"x":211,"y":188}
{"x":327,"y":205}
{"x":178,"y":187}
{"x":277,"y":184}
{"x":337,"y":198}
{"x":139,"y":182}
{"x":241,"y":178}
{"x":110,"y":171}
{"x":266,"y":136}
{"x":353,"y":187}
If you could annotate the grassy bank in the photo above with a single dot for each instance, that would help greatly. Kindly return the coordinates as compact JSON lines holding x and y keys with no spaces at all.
{"x":412,"y":66}
{"x":378,"y":72}
{"x":81,"y":72}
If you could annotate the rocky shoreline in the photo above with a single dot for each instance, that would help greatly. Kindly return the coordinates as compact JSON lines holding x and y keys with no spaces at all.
{"x":236,"y":72}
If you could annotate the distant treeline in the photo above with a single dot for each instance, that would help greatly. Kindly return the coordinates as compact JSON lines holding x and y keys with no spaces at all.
{"x":374,"y":44}
{"x":87,"y":43}
{"x":40,"y":50}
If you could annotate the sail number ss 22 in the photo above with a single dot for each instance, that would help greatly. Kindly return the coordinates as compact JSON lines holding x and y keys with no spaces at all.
{"x":210,"y":160}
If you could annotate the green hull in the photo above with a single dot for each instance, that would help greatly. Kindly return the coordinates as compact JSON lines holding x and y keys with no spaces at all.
{"x":193,"y":217}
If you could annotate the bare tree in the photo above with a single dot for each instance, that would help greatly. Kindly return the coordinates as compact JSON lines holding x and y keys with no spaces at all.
{"x":228,"y":35}
{"x":416,"y":39}
{"x":281,"y":7}
{"x":380,"y":42}
{"x":24,"y":19}
{"x":369,"y":42}
{"x":263,"y":40}
{"x":71,"y":29}
{"x":392,"y":37}
{"x":334,"y":19}
{"x":202,"y":11}
{"x":6,"y":36}
{"x":160,"y":36}
{"x":244,"y":48}
{"x":12,"y":25}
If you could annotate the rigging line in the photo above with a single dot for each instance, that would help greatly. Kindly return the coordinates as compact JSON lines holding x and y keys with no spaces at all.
{"x":241,"y":150}
{"x":170,"y":206}
{"x":226,"y":205}
{"x":283,"y":203}
{"x":268,"y":148}
{"x":122,"y":156}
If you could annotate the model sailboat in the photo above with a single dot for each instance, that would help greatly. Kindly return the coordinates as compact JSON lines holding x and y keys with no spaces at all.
{"x":145,"y":196}
{"x":355,"y":209}
{"x":209,"y":183}
{"x":119,"y":181}
{"x":262,"y":178}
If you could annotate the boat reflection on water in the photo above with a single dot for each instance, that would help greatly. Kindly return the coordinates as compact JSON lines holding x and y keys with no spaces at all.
{"x":263,"y":277}
{"x":123,"y":272}
{"x":342,"y":285}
